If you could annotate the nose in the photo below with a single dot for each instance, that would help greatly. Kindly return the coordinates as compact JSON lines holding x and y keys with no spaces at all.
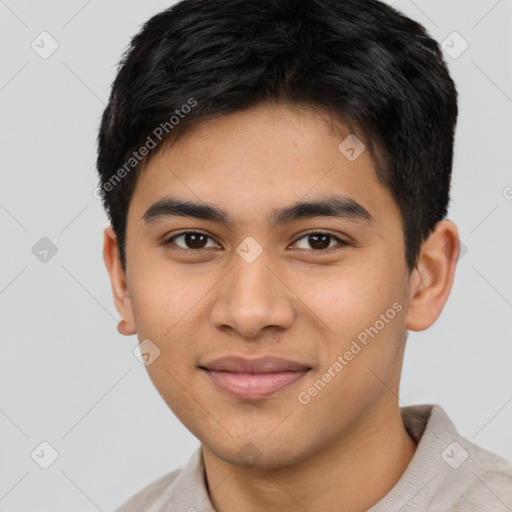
{"x":252,"y":297}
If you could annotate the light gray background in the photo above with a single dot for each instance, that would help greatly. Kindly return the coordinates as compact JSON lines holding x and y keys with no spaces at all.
{"x":67,"y":377}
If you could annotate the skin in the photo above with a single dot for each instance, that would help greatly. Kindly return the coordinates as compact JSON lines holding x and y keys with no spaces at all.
{"x":348,"y":444}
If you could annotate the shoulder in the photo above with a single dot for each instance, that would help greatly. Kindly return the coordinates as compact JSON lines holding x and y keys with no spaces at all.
{"x":448,"y":473}
{"x":151,"y":496}
{"x":464,"y":476}
{"x":176,"y":490}
{"x":482,"y":482}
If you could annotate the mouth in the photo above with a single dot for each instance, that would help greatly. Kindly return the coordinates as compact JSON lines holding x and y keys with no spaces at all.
{"x":253,"y":379}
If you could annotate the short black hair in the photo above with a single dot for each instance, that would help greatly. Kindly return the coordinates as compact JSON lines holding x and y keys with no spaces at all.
{"x":365,"y":63}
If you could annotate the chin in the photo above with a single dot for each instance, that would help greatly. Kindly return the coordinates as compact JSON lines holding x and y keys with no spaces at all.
{"x":258,"y":452}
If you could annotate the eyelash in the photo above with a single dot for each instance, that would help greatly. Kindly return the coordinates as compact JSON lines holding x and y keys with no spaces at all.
{"x":341,"y":242}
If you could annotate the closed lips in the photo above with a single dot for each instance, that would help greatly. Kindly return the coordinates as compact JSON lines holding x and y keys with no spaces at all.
{"x":256,"y":379}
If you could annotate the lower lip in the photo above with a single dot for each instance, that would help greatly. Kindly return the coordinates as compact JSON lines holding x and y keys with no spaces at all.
{"x":253,"y":386}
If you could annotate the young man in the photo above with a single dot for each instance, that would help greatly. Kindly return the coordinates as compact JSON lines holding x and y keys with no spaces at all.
{"x":277,"y":177}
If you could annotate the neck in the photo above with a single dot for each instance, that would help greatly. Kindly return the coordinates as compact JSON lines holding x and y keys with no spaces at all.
{"x":357,"y":470}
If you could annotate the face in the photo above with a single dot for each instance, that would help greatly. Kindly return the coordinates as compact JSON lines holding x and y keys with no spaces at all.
{"x":324,"y":287}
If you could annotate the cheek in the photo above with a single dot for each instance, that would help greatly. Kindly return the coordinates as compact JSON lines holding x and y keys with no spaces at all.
{"x":349,"y":297}
{"x":361,"y":311}
{"x":164,"y":313}
{"x":164,"y":296}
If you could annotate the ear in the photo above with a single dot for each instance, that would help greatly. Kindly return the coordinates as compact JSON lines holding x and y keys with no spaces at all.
{"x":120,"y":291}
{"x":431,"y":280}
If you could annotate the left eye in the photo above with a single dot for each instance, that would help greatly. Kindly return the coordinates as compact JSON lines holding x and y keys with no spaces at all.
{"x":320,"y":241}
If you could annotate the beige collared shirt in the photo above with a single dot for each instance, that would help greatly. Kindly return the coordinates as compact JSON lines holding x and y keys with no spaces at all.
{"x":448,"y":473}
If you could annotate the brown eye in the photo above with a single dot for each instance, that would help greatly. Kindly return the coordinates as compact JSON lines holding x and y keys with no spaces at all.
{"x":319,"y":241}
{"x":191,"y":239}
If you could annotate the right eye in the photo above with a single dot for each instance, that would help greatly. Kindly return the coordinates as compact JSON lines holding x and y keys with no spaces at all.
{"x":192,"y":240}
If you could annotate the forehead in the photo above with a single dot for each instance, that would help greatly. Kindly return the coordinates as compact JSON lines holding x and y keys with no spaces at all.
{"x":252,"y":162}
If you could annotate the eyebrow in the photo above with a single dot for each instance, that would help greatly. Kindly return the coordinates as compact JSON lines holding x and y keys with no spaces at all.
{"x":334,"y":206}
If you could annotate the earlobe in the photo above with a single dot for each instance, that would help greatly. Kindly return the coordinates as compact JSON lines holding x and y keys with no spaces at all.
{"x":432,"y":278}
{"x":120,"y":291}
{"x":125,"y":329}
